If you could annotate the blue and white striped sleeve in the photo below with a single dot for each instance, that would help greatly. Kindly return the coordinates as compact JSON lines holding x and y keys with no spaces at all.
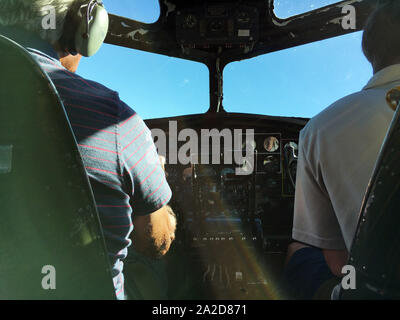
{"x":141,"y":167}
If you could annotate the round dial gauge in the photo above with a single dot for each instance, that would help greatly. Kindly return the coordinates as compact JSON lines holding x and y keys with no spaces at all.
{"x":191,"y":21}
{"x":243,"y":18}
{"x":271,"y":144}
{"x":216,"y":25}
{"x":271,"y":164}
{"x":247,"y":167}
{"x":249,"y":145}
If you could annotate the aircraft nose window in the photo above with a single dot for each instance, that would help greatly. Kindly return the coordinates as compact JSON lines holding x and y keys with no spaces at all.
{"x":147,"y":11}
{"x":299,"y":81}
{"x":289,"y":8}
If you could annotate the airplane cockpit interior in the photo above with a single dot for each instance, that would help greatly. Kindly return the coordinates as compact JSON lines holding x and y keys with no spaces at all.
{"x":232,"y":174}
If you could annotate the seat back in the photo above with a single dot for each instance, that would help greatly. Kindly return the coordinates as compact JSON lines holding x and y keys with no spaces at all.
{"x":51,"y":241}
{"x":375,"y":252}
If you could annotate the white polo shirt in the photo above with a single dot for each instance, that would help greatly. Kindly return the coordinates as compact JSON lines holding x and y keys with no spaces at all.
{"x":338,"y":150}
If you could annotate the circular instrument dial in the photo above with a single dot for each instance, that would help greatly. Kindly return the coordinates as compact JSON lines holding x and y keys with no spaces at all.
{"x":271,"y":144}
{"x":250,"y":145}
{"x":271,"y":164}
{"x":190,"y":21}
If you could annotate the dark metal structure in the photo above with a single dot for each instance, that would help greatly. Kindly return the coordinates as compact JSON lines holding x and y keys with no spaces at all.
{"x":217,"y":32}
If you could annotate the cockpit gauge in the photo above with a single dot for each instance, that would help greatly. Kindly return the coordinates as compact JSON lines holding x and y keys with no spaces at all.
{"x":271,"y":164}
{"x":216,"y":26}
{"x":249,"y":145}
{"x":243,"y":18}
{"x":190,"y":21}
{"x":247,"y":167}
{"x":271,"y":144}
{"x":229,"y":25}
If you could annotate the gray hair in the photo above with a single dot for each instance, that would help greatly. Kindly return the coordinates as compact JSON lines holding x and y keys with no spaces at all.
{"x":29,"y":14}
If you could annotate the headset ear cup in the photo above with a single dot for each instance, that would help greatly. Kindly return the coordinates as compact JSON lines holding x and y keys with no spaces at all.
{"x":88,"y":42}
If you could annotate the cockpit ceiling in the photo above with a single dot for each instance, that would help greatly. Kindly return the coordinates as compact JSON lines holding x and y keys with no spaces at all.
{"x":232,"y":30}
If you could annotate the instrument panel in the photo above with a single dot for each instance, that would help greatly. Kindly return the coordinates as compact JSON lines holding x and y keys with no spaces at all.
{"x":206,"y":191}
{"x":227,"y":25}
{"x":232,"y":202}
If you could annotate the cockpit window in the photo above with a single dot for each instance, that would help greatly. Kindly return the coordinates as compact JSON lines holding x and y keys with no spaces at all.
{"x":298,"y":82}
{"x":288,"y":8}
{"x":155,"y":86}
{"x":147,"y":11}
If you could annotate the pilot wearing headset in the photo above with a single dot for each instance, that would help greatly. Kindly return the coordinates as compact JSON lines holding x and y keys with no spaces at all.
{"x":118,"y":152}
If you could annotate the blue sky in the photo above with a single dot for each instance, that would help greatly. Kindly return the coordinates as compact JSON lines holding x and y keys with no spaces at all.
{"x":301,"y":81}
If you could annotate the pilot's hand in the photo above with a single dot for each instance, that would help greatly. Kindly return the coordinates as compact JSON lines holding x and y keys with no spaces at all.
{"x":164,"y":242}
{"x":154,"y":233}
